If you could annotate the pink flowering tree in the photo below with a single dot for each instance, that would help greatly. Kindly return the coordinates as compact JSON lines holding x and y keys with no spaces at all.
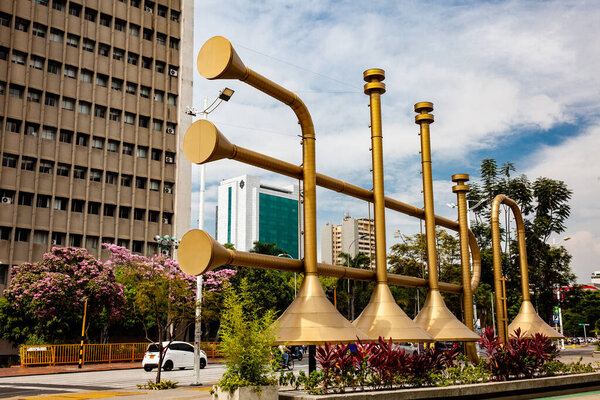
{"x":45,"y":300}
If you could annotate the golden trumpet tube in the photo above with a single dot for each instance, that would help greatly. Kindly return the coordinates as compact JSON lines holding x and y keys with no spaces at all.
{"x":378,"y":185}
{"x":308,"y":160}
{"x":428,"y":202}
{"x":269,"y":163}
{"x":255,"y":260}
{"x":497,"y":259}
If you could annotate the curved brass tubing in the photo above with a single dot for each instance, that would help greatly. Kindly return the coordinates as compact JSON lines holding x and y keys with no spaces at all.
{"x":199,"y":253}
{"x":527,"y":319}
{"x":203,"y":143}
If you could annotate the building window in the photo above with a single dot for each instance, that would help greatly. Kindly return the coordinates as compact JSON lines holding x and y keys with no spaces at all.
{"x":96,"y":175}
{"x":86,"y":76}
{"x":9,"y":194}
{"x":134,"y":30}
{"x":89,"y":45}
{"x":56,"y":35}
{"x":116,"y":84}
{"x":5,"y":232}
{"x":159,"y":95}
{"x":97,"y":143}
{"x":40,"y":237}
{"x":174,"y":43}
{"x":118,"y":54}
{"x":13,"y":125}
{"x":120,"y":25}
{"x":85,"y":107}
{"x":175,"y":15}
{"x":21,"y":25}
{"x":53,"y":67}
{"x":9,"y":160}
{"x":129,"y":118}
{"x":171,"y":128}
{"x":123,"y":243}
{"x":46,"y":167}
{"x":61,"y":203}
{"x":4,"y":53}
{"x":36,"y":62}
{"x":31,"y":129}
{"x":18,"y":57}
{"x":132,"y":58}
{"x":157,"y":125}
{"x":147,"y":62}
{"x":142,"y":152}
{"x":68,"y":104}
{"x":143,"y":122}
{"x":131,"y":88}
{"x":137,"y":246}
{"x":114,"y":115}
{"x":124,"y":212}
{"x":153,"y":216}
{"x":106,"y":239}
{"x":63,"y":170}
{"x":105,"y":20}
{"x":167,"y":218}
{"x":58,"y":238}
{"x":51,"y":100}
{"x":104,"y":49}
{"x":139,"y":214}
{"x":43,"y":201}
{"x":77,"y":205}
{"x":60,"y":5}
{"x":90,"y":14}
{"x":159,"y":66}
{"x":162,"y":11}
{"x":93,"y":208}
{"x":72,"y":40}
{"x":172,"y":99}
{"x":111,"y":178}
{"x":22,"y":235}
{"x":70,"y":71}
{"x":161,"y":38}
{"x":128,"y":149}
{"x":109,"y":210}
{"x":144,"y":92}
{"x":28,"y":163}
{"x":82,"y":139}
{"x":126,"y":180}
{"x":74,"y":9}
{"x":5,"y":20}
{"x":156,"y":154}
{"x":91,"y":242}
{"x":75,"y":240}
{"x":112,"y":146}
{"x":154,"y":185}
{"x":2,"y":88}
{"x":168,"y":187}
{"x":79,"y":172}
{"x":148,"y":34}
{"x":16,"y":91}
{"x":101,"y":80}
{"x":149,"y":6}
{"x":99,"y":111}
{"x":140,"y":183}
{"x":66,"y":136}
{"x":39,"y":30}
{"x":25,"y":199}
{"x":135,"y":3}
{"x":34,"y":96}
{"x":48,"y":133}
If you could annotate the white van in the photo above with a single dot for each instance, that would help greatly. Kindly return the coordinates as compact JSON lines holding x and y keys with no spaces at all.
{"x":177,"y":355}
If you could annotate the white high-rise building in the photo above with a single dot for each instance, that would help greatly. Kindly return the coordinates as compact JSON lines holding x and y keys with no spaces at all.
{"x":596,"y":279}
{"x":353,"y":236}
{"x":249,"y":211}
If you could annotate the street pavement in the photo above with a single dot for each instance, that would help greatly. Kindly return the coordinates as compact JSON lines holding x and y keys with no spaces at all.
{"x":118,"y":380}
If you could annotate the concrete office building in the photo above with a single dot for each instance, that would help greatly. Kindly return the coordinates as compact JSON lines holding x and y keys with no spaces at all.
{"x":249,"y":211}
{"x":353,"y":236}
{"x":91,"y":100}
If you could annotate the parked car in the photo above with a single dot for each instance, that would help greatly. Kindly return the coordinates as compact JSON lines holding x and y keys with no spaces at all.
{"x":409,"y":348}
{"x":176,"y":355}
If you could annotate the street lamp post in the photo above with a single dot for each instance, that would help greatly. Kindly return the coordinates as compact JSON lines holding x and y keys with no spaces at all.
{"x":286,"y":255}
{"x":224,"y":95}
{"x":584,"y":332}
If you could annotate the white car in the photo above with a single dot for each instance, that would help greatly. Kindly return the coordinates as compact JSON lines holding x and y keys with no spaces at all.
{"x":177,"y":355}
{"x":409,"y":348}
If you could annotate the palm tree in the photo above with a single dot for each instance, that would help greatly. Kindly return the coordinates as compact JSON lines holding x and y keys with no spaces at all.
{"x":360,"y":261}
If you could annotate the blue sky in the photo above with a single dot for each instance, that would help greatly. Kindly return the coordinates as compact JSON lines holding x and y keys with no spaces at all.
{"x":511,"y":80}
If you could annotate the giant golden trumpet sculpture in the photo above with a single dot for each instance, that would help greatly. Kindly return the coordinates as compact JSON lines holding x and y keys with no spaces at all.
{"x":527,"y":319}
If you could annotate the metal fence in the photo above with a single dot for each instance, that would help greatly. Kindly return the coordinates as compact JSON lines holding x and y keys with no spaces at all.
{"x":93,"y":353}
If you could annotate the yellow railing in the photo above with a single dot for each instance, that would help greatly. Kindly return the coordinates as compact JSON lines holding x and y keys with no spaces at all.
{"x":93,"y":353}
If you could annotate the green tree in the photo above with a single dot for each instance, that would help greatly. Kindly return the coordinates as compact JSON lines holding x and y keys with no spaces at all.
{"x":581,"y":306}
{"x":359,"y":292}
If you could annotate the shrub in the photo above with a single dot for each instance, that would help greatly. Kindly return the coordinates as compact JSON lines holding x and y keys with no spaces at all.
{"x":162,"y":385}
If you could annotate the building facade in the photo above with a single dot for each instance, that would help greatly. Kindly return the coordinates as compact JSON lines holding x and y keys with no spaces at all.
{"x":353,"y":236}
{"x":249,"y":211}
{"x":91,"y":100}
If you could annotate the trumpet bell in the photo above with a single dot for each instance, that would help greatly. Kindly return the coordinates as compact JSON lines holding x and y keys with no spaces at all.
{"x":439,"y":322}
{"x":312,"y":319}
{"x":203,"y":143}
{"x":383,"y":317}
{"x":531,"y":323}
{"x":217,"y":59}
{"x":199,"y":253}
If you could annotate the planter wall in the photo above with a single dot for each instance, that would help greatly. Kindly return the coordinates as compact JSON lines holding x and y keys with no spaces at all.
{"x":247,"y":393}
